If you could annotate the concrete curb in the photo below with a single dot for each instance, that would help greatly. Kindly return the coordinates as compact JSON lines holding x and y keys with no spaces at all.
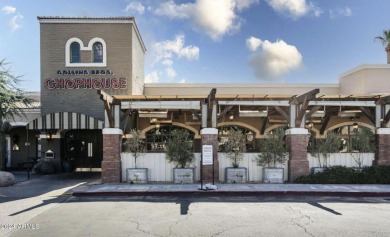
{"x":211,"y":193}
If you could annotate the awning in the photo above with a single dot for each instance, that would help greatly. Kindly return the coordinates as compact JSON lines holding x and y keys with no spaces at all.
{"x":65,"y":120}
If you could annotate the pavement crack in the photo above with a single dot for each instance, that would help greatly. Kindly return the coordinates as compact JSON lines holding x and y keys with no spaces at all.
{"x":301,"y":218}
{"x":138,"y":227}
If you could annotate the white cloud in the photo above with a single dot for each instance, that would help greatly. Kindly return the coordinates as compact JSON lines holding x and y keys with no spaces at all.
{"x":14,"y":22}
{"x":214,"y":18}
{"x":345,"y":11}
{"x":275,"y":59}
{"x":171,"y":73}
{"x":166,"y":50}
{"x":253,"y":43}
{"x":152,"y":77}
{"x":9,"y":10}
{"x":135,"y":6}
{"x":173,"y":10}
{"x":294,"y":8}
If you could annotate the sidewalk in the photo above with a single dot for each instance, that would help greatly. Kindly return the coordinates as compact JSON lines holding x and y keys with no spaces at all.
{"x":125,"y":189}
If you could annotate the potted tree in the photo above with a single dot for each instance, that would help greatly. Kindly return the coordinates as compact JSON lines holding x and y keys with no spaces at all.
{"x":322,"y":148}
{"x":362,"y":144}
{"x":235,"y":148}
{"x":273,"y":151}
{"x":178,"y":150}
{"x":135,"y":145}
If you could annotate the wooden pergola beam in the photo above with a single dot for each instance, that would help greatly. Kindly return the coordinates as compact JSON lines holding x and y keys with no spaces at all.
{"x":305,"y":97}
{"x":383,"y":100}
{"x":312,"y":111}
{"x":368,"y":113}
{"x":386,"y":119}
{"x":282,"y":112}
{"x":324,"y":124}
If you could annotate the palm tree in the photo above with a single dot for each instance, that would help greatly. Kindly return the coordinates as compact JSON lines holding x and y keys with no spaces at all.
{"x":385,"y":40}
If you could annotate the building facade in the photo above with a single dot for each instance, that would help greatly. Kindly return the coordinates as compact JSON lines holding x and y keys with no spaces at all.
{"x":93,"y":93}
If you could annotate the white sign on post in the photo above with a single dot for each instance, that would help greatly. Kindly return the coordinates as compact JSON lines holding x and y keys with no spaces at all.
{"x":207,"y":154}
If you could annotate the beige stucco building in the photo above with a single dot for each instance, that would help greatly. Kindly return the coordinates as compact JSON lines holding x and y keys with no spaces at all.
{"x":93,"y":93}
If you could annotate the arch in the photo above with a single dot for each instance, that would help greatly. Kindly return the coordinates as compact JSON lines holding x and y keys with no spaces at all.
{"x":272,"y":127}
{"x":68,"y":62}
{"x":182,"y":125}
{"x":97,"y":52}
{"x":349,"y":123}
{"x":244,"y":125}
{"x":75,"y":56}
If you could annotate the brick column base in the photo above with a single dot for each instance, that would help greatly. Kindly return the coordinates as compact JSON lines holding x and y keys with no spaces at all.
{"x":111,"y":164}
{"x":298,"y":164}
{"x":210,"y":137}
{"x":382,"y":154}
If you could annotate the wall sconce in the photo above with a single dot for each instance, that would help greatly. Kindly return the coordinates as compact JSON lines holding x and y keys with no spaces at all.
{"x":231,"y":117}
{"x":355,"y":125}
{"x":157,"y":125}
{"x":48,"y":137}
{"x":15,"y":139}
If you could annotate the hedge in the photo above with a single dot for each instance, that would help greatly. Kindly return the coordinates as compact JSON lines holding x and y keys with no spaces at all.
{"x":345,"y":175}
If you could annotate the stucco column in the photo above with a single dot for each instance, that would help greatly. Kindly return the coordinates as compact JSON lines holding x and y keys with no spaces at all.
{"x":111,"y":164}
{"x":298,"y":164}
{"x":382,"y":154}
{"x":210,"y":137}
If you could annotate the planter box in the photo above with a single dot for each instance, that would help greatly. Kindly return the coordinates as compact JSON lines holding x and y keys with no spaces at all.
{"x":273,"y":175}
{"x":235,"y":175}
{"x":183,"y":175}
{"x":137,"y":176}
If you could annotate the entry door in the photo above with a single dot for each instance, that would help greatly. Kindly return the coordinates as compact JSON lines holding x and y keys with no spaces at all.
{"x":8,"y":151}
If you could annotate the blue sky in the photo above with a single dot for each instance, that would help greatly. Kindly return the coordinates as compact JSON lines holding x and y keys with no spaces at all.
{"x":219,"y":41}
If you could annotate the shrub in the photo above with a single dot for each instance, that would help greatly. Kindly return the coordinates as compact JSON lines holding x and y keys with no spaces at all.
{"x":344,"y":175}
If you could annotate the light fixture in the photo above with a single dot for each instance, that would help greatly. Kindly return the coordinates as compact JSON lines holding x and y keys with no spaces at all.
{"x":153,"y":120}
{"x":355,"y":125}
{"x":249,"y":136}
{"x":48,"y":136}
{"x":157,"y":125}
{"x":231,"y":117}
{"x":310,"y":125}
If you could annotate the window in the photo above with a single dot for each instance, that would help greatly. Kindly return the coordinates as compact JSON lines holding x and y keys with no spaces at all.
{"x":75,"y":52}
{"x":97,"y":52}
{"x":157,"y":137}
{"x":224,"y":133}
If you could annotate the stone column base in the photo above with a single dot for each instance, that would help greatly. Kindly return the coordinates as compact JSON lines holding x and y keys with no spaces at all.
{"x":112,"y":148}
{"x":297,"y":140}
{"x":382,"y":154}
{"x":297,"y":168}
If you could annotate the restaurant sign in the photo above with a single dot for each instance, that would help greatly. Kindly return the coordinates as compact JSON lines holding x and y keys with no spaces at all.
{"x":85,"y":79}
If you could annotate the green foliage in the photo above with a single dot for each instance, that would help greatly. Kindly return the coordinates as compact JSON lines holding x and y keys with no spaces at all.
{"x":362,"y":144}
{"x":322,"y":148}
{"x":344,"y":175}
{"x":12,"y":101}
{"x":134,"y":145}
{"x":235,"y":146}
{"x":179,"y":149}
{"x":384,"y":38}
{"x":273,"y":149}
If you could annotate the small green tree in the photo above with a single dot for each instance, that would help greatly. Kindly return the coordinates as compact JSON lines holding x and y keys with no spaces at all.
{"x":235,"y":146}
{"x":322,"y":148}
{"x":12,"y":102}
{"x":385,"y":40}
{"x":273,"y":149}
{"x":362,"y":144}
{"x":178,"y":149}
{"x":135,"y":145}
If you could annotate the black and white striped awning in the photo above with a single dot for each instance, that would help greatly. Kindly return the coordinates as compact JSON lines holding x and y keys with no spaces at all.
{"x":65,"y":120}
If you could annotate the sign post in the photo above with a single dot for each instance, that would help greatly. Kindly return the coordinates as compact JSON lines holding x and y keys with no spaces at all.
{"x":206,"y":159}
